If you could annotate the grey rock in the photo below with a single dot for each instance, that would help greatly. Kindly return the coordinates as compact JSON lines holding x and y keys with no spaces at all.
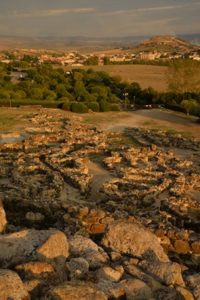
{"x":80,"y":246}
{"x":78,"y":268}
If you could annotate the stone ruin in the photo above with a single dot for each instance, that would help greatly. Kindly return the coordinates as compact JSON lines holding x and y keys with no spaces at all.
{"x":85,"y":214}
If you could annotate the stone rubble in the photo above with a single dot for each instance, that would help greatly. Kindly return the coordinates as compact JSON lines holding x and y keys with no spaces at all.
{"x":138,"y":238}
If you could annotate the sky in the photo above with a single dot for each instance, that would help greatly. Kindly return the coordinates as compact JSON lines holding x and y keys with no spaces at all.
{"x":99,"y":18}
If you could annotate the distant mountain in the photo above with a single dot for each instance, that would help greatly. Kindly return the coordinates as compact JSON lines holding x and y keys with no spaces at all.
{"x":166,"y":43}
{"x":87,"y":43}
{"x":61,"y":43}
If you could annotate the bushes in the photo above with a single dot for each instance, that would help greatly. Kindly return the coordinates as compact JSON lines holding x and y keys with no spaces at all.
{"x":104,"y":105}
{"x":94,"y":106}
{"x":115,"y":107}
{"x":79,"y":107}
{"x":66,"y":106}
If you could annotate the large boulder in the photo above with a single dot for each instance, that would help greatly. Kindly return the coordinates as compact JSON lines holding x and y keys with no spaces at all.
{"x":80,"y":246}
{"x":11,"y":286}
{"x":33,"y":245}
{"x":76,"y":291}
{"x":3,"y":220}
{"x":131,"y":237}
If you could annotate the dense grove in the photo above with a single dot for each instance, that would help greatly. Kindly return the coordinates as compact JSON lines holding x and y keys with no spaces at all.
{"x":81,"y":90}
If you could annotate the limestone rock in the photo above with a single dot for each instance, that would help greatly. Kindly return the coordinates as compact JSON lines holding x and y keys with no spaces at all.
{"x":111,"y":289}
{"x":167,"y":272}
{"x":54,"y":250}
{"x":136,"y":289}
{"x":108,"y":273}
{"x":193,"y":281}
{"x":32,"y":245}
{"x":167,"y":293}
{"x":78,"y":268}
{"x":11,"y":286}
{"x":80,"y":246}
{"x":136,"y":272}
{"x":3,"y":220}
{"x":35,"y":270}
{"x":33,"y":287}
{"x":76,"y":291}
{"x":132,"y":238}
{"x":186,"y":295}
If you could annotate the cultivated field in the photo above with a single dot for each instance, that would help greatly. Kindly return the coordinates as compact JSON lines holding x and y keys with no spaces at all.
{"x":145,"y":75}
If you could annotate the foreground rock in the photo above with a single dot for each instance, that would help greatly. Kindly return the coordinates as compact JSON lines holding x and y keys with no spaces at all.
{"x":76,"y":291}
{"x":33,"y":245}
{"x":136,"y":289}
{"x":166,"y":272}
{"x":11,"y":286}
{"x":86,"y":248}
{"x":3,"y":220}
{"x":130,"y":237}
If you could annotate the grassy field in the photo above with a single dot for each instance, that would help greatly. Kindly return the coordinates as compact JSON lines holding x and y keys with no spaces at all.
{"x":17,"y":119}
{"x":12,"y":119}
{"x":145,"y":75}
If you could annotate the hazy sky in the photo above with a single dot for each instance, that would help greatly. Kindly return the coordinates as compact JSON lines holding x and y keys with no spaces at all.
{"x":98,"y":18}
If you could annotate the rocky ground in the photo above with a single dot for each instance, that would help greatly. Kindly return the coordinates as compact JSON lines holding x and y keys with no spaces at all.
{"x":88,"y":214}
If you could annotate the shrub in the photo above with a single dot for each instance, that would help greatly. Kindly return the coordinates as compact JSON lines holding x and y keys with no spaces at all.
{"x":115,"y":107}
{"x":104,"y":105}
{"x":78,"y":107}
{"x":94,"y":106}
{"x":66,"y":106}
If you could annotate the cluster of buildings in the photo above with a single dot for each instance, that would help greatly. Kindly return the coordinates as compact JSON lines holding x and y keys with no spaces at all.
{"x":76,"y":59}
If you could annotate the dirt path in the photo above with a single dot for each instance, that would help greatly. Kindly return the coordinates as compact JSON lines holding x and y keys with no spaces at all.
{"x":155,"y":118}
{"x":100,"y":176}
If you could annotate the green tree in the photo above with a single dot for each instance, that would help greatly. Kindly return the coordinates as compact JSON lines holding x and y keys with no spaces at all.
{"x":19,"y":95}
{"x":106,"y":60}
{"x":191,"y":107}
{"x":92,"y":61}
{"x":184,"y":76}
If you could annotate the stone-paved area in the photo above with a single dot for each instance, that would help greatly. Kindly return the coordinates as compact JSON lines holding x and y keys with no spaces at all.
{"x":87,"y":214}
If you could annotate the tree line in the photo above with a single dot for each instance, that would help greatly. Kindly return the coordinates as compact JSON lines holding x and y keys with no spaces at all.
{"x":96,"y":90}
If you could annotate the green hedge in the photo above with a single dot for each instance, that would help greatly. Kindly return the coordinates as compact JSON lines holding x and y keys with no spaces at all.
{"x":115,"y":107}
{"x":17,"y":103}
{"x":94,"y":106}
{"x":104,"y":105}
{"x":66,"y":106}
{"x":79,"y":107}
